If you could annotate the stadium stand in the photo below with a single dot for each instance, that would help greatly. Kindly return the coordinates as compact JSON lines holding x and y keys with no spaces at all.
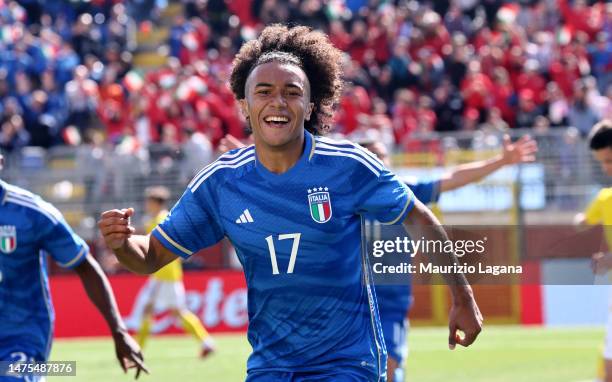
{"x":137,"y":90}
{"x":456,"y":66}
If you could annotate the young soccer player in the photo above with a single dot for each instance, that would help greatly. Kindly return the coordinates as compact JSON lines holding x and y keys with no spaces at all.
{"x":165,"y":289}
{"x":292,"y":205}
{"x":600,"y":212}
{"x":29,"y":229}
{"x":394,"y":301}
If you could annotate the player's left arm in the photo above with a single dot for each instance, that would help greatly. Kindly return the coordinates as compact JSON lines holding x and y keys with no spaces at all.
{"x":521,"y":151}
{"x":465,"y":314}
{"x":383,"y":196}
{"x":101,"y":295}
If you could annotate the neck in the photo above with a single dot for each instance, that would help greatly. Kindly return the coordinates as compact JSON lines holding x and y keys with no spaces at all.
{"x":279,"y":159}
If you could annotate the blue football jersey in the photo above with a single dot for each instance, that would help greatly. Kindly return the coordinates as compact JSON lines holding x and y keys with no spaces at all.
{"x":298,"y":237}
{"x":30,"y":228}
{"x":394,"y":300}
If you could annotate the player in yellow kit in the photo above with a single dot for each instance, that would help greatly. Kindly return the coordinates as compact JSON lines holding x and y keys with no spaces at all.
{"x":599,"y":212}
{"x":165,"y":289}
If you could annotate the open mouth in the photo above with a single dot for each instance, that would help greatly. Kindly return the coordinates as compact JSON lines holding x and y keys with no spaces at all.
{"x":277,"y":121}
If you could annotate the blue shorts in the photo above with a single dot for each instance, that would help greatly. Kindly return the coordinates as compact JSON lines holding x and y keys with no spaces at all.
{"x":396,"y":333}
{"x":345,"y":375}
{"x":19,"y":353}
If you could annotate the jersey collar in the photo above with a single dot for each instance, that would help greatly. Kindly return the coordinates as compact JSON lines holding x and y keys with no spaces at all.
{"x":304,"y":159}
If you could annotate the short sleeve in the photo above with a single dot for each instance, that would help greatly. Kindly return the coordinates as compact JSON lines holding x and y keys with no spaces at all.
{"x":427,"y":191}
{"x":59,"y":240}
{"x":593,"y":212}
{"x":384,"y":197}
{"x":190,"y":226}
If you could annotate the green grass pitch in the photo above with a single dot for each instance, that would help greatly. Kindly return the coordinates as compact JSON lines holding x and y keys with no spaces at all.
{"x":501,"y":354}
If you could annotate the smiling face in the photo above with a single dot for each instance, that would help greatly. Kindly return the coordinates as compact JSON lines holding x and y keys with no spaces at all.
{"x":277,"y":102}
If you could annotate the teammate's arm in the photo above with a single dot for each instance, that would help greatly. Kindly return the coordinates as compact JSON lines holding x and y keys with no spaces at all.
{"x":101,"y":295}
{"x":138,"y":253}
{"x":464,"y":314}
{"x":522,"y":151}
{"x":229,"y":142}
{"x":70,"y":251}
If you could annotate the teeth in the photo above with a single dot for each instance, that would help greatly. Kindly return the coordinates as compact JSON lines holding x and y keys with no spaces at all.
{"x":276,"y":119}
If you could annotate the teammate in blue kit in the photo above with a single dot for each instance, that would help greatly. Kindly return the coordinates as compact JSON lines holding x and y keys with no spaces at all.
{"x":30,"y":228}
{"x":394,"y":301}
{"x":293,"y":206}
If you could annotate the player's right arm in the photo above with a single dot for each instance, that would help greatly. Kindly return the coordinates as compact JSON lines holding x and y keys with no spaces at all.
{"x":191,"y":225}
{"x":138,"y":253}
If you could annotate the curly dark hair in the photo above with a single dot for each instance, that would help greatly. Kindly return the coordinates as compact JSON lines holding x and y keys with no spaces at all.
{"x":301,"y":46}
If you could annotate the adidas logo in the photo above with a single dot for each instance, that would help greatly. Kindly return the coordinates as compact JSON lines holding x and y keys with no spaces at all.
{"x":245,"y":217}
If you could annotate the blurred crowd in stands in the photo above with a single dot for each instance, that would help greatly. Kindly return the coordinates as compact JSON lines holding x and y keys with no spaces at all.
{"x":59,"y":62}
{"x":412,"y":68}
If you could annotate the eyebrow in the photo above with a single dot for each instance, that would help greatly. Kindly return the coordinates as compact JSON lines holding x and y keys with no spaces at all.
{"x":289,"y":85}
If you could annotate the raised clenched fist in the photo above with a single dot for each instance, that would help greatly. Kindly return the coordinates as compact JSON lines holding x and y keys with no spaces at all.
{"x":115,"y":227}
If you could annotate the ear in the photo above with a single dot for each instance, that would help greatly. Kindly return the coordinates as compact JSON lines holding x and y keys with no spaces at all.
{"x":244,"y":107}
{"x":309,"y":110}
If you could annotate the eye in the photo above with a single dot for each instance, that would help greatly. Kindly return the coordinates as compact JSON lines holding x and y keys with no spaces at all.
{"x":263,"y":91}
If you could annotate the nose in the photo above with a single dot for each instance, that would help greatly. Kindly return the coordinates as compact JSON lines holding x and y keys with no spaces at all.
{"x":279,"y":100}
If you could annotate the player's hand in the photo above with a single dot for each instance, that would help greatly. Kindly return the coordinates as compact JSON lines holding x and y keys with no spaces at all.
{"x":521,"y":151}
{"x":229,"y":142}
{"x":465,"y":317}
{"x":601,"y":262}
{"x":128,"y":353}
{"x":115,"y":227}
